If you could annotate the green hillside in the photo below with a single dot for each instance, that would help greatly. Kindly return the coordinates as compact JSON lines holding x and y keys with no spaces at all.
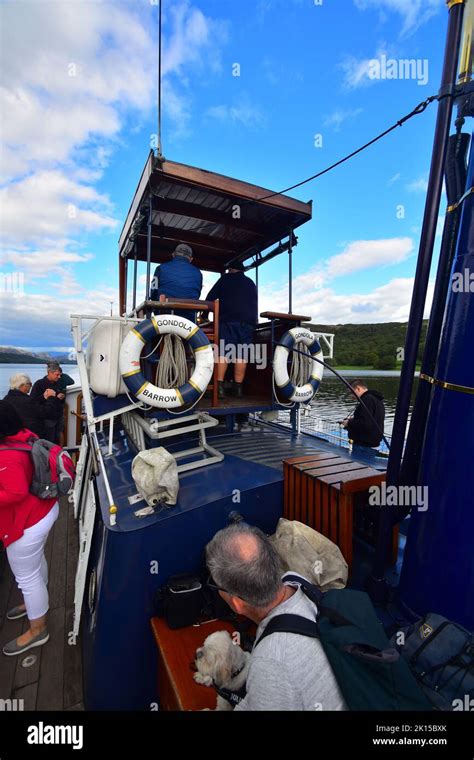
{"x":12,"y":355}
{"x":373,"y":345}
{"x":15,"y":358}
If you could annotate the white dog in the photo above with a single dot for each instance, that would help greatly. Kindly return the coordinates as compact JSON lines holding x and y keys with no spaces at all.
{"x":222,"y":664}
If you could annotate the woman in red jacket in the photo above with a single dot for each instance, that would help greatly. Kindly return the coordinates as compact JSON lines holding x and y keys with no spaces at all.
{"x":25,"y":521}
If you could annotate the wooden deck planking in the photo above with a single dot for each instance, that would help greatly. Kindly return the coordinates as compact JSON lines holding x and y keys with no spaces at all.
{"x":51,"y":681}
{"x":28,"y":694}
{"x":57,"y":564}
{"x":54,"y":681}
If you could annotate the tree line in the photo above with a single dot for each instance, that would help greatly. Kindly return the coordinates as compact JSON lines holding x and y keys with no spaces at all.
{"x":378,"y":346}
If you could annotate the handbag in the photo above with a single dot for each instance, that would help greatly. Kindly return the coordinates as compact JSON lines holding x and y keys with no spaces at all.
{"x":180,"y":601}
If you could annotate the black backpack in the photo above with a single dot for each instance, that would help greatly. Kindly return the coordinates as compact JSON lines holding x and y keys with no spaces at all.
{"x":370,"y":673}
{"x":441,"y":656}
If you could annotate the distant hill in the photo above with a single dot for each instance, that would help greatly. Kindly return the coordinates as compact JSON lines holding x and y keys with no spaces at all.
{"x":371,"y":345}
{"x":11,"y":355}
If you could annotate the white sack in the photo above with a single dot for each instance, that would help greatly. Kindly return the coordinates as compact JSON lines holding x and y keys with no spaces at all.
{"x":155,"y":473}
{"x":309,"y":553}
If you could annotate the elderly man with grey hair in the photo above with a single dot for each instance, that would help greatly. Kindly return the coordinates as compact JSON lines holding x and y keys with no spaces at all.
{"x":178,"y":278}
{"x":287,"y":671}
{"x":31,"y":413}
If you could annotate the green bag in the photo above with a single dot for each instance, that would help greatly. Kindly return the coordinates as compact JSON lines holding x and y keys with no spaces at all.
{"x":370,"y":673}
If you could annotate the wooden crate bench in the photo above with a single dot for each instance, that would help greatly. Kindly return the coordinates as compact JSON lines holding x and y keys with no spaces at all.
{"x":320,"y":490}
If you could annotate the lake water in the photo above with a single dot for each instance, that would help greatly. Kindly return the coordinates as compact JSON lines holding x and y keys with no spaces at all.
{"x":332,"y":403}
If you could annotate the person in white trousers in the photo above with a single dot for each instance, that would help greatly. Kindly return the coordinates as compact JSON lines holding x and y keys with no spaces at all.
{"x":25,"y":522}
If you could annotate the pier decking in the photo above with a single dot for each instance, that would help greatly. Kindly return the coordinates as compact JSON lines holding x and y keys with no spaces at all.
{"x":47,"y":677}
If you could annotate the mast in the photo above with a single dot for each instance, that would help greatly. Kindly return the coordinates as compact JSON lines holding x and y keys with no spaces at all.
{"x":376,"y":583}
{"x":438,"y":567}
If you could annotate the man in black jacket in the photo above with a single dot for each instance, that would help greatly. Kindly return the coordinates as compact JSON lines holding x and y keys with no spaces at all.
{"x":54,"y":421}
{"x":238,"y":315}
{"x":366,"y":429}
{"x":31,"y":413}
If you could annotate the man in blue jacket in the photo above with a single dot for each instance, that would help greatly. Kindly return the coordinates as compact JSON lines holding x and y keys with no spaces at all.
{"x":177,"y":278}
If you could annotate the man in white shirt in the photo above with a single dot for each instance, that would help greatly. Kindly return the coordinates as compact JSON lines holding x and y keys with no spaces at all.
{"x":287,"y":671}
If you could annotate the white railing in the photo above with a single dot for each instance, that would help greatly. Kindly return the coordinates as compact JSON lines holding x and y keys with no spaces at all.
{"x":329,"y":430}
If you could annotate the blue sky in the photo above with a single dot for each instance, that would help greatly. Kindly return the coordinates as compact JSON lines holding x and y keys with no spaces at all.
{"x":79,"y":91}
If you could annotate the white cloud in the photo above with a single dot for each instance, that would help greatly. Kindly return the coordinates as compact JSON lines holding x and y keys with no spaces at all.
{"x":48,"y":204}
{"x":387,"y":303}
{"x":337,"y":118}
{"x":365,"y":254}
{"x":418,"y":185}
{"x":356,"y":72}
{"x":196,"y":39}
{"x":49,"y":318}
{"x":440,"y":225}
{"x":414,"y":13}
{"x":314,"y":295}
{"x":74,"y":71}
{"x":74,"y":74}
{"x":393,"y":179}
{"x":243,"y":112}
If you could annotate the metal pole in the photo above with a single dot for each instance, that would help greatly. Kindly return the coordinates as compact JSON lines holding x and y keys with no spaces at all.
{"x":148,"y":248}
{"x":135,"y":264}
{"x":256,"y":277}
{"x":123,"y":306}
{"x":159,"y":81}
{"x":376,"y":582}
{"x":290,"y":273}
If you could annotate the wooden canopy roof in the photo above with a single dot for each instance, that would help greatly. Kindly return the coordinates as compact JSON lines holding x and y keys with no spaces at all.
{"x":223,"y":219}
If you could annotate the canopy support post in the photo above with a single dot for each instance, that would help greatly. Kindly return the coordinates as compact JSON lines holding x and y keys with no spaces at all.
{"x":148,"y":247}
{"x":290,"y":272}
{"x":135,"y":265}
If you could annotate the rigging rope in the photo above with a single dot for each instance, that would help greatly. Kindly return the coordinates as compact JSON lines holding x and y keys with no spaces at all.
{"x":300,"y":366}
{"x":172,"y":369}
{"x":420,"y":108}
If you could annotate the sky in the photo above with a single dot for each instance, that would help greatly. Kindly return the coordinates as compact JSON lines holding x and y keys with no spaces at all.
{"x":79,"y":91}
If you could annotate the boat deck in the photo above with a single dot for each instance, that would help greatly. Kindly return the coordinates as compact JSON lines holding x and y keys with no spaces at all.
{"x":48,"y":677}
{"x":270,"y":444}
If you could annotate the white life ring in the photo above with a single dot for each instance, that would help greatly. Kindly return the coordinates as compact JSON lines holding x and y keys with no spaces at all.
{"x":166,"y":398}
{"x":285,"y":387}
